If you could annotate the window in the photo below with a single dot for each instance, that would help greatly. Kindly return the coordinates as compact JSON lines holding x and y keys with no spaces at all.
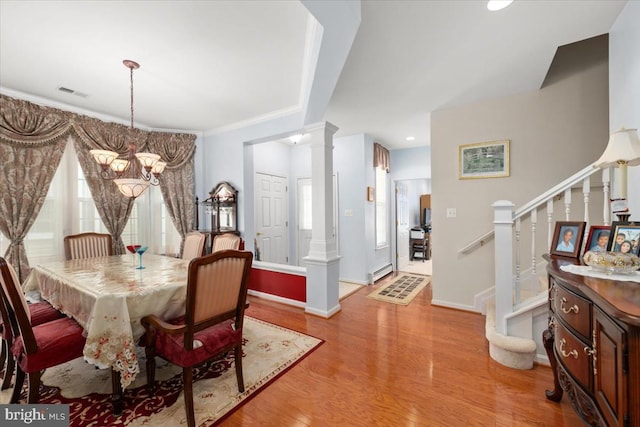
{"x":69,"y":209}
{"x":381,"y":208}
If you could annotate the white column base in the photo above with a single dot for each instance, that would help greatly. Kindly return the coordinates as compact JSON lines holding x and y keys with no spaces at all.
{"x":322,"y":286}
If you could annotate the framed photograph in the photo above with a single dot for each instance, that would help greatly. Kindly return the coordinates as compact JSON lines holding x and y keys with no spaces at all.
{"x":567,"y":238}
{"x":625,"y":237}
{"x":598,"y":239}
{"x":483,"y":160}
{"x":371,"y":194}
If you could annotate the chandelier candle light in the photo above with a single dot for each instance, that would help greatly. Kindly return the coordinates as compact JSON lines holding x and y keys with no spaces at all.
{"x":136,"y":171}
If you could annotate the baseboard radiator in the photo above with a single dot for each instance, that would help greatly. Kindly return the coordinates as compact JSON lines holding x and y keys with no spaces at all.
{"x":380,"y":273}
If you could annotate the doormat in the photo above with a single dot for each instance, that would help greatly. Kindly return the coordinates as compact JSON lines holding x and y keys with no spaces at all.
{"x":402,"y":290}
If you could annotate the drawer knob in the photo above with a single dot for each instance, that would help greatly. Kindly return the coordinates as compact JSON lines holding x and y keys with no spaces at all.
{"x":574,"y":308}
{"x":573,"y":353}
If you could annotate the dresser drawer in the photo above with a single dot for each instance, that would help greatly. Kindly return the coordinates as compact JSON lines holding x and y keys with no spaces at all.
{"x":574,"y":310}
{"x":571,"y":353}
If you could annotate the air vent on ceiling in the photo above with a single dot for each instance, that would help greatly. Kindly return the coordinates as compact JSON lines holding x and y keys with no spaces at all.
{"x":73,"y":92}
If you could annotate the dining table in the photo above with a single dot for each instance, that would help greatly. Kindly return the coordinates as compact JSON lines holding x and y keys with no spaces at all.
{"x":108,"y":296}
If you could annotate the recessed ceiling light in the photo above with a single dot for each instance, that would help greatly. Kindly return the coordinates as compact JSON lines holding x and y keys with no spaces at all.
{"x":494,"y":5}
{"x":411,"y":138}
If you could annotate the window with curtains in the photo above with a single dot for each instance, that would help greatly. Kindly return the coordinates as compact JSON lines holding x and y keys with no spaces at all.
{"x":381,"y":161}
{"x":381,"y":208}
{"x":69,"y":209}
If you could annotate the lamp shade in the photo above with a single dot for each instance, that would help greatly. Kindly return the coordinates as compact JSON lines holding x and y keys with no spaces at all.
{"x":623,"y":148}
{"x":131,"y":187}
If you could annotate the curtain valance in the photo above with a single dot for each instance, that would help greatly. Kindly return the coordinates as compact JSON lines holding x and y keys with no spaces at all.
{"x":380,"y":157}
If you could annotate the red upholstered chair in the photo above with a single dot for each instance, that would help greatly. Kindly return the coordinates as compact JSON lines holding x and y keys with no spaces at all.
{"x":87,"y":245}
{"x":41,"y":312}
{"x":36,"y":348}
{"x":212,"y":324}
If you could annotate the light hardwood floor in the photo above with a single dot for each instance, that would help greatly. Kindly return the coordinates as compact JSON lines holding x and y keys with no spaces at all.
{"x":389,"y":365}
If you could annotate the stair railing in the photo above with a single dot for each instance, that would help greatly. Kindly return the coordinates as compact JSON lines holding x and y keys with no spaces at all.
{"x":508,"y":222}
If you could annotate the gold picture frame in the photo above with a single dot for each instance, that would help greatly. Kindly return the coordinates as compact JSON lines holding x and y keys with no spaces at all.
{"x":484,"y":160}
{"x":371,"y":194}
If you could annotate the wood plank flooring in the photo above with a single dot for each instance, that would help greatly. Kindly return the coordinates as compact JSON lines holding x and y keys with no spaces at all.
{"x":389,"y":365}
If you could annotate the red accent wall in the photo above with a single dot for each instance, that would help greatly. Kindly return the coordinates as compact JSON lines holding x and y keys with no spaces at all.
{"x":284,"y":285}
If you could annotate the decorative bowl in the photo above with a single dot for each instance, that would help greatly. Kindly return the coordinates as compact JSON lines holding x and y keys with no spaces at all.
{"x":612,"y":262}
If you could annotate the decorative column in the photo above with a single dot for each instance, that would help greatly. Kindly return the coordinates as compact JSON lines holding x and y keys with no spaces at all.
{"x":323,"y":263}
{"x":503,"y":229}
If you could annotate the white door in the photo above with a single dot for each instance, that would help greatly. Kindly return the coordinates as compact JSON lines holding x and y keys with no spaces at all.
{"x":271,"y":218}
{"x":402,"y":225}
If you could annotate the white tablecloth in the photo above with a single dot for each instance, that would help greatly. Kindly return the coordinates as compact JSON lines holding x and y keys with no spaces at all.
{"x":108,"y":296}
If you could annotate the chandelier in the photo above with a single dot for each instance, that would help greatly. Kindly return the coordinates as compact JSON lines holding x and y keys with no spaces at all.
{"x":133,"y":172}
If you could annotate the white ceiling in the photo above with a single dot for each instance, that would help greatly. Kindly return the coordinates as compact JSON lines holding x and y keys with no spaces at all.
{"x":207,"y":65}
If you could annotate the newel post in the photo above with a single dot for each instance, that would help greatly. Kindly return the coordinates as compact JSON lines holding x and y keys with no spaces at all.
{"x":503,"y":229}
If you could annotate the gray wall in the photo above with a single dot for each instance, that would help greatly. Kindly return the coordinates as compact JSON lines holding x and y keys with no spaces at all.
{"x":624,"y":86}
{"x":554,"y":132}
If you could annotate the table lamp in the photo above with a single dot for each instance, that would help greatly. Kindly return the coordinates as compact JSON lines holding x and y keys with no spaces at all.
{"x":623,"y":149}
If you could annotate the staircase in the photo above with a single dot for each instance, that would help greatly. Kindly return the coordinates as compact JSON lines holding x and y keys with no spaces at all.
{"x":516,"y":307}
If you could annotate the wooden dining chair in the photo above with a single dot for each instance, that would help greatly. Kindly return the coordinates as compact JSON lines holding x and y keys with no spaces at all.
{"x":211,"y":325}
{"x":193,"y":245}
{"x":36,"y":347}
{"x":41,"y":312}
{"x":87,"y":245}
{"x":225,"y":241}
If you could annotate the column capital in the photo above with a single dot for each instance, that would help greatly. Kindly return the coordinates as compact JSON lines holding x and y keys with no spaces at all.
{"x":328,"y":127}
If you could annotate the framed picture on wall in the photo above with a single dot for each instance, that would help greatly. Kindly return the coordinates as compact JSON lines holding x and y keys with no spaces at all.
{"x":625,"y":237}
{"x":371,"y":194}
{"x":567,"y":238}
{"x":483,"y":160}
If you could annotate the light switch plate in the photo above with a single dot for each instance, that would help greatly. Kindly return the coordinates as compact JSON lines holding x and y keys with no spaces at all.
{"x":451,"y":212}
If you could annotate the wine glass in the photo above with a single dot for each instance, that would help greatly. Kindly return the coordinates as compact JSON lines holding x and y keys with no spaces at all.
{"x":133,"y":249}
{"x":141,"y":250}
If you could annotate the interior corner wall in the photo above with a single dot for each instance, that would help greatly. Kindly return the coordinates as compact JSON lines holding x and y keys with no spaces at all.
{"x":624,"y":87}
{"x":554,"y":132}
{"x":349,"y":159}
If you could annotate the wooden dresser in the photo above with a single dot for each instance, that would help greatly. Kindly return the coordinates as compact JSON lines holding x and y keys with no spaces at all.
{"x":593,"y":344}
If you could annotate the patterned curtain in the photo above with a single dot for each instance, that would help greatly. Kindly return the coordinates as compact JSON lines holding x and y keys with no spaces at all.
{"x":177,"y":180}
{"x":380,"y":157}
{"x":114,"y":210}
{"x":32,"y":141}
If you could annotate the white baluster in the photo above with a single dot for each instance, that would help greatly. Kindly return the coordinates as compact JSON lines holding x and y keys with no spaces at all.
{"x":586,"y":190}
{"x":534,"y":226}
{"x":550,"y":228}
{"x":517,"y":283}
{"x":606,"y":181}
{"x":567,"y":204}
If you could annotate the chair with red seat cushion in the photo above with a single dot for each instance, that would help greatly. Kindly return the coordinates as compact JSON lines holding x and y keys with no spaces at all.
{"x":36,"y":347}
{"x":41,"y":312}
{"x":212,"y":324}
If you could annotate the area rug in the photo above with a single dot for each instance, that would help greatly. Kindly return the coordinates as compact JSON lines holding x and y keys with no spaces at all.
{"x":269,"y":351}
{"x":402,"y":290}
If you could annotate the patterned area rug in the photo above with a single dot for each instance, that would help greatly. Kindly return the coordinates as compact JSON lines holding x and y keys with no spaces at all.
{"x":269,"y":351}
{"x":402,"y":290}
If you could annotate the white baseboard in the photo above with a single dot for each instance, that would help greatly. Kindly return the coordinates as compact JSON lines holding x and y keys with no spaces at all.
{"x":448,"y":304}
{"x":480,"y":299}
{"x":323,"y":314}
